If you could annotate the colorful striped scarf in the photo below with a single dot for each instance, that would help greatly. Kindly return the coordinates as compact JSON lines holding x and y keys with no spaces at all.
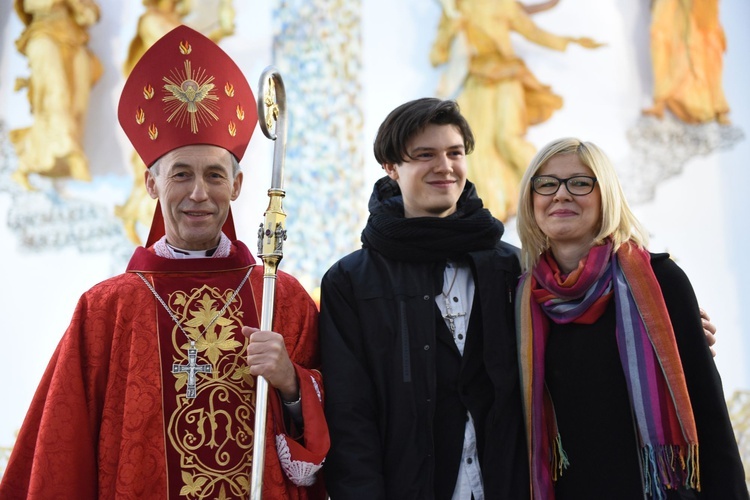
{"x":648,"y":352}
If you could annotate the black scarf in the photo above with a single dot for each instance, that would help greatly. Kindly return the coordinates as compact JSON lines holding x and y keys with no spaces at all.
{"x":470,"y":228}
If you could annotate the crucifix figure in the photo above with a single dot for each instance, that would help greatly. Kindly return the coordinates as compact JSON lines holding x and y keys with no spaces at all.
{"x":191,"y":368}
{"x":450,"y":316}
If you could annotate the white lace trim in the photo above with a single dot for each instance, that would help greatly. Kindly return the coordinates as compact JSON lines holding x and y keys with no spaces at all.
{"x":162,"y":249}
{"x":299,"y":472}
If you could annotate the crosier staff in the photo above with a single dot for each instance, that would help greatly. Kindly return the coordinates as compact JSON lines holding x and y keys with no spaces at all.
{"x":271,"y":236}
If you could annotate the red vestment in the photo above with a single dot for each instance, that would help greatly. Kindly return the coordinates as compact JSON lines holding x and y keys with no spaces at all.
{"x":110,"y":419}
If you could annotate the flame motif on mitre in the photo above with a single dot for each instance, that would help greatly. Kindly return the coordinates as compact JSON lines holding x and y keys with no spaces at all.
{"x":186,"y":90}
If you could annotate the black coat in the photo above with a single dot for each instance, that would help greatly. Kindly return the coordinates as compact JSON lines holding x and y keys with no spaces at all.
{"x":378,"y":340}
{"x":592,"y":405}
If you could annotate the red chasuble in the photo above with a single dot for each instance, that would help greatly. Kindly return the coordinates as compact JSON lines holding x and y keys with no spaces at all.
{"x":111,"y":417}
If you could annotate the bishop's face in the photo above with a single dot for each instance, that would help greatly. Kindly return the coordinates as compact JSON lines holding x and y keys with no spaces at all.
{"x":195,"y":186}
{"x":433,"y":177}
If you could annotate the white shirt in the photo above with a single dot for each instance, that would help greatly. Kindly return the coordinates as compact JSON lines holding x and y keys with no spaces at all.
{"x":459,"y":300}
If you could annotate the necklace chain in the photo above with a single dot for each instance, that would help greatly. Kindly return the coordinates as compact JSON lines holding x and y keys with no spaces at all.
{"x":453,"y":282}
{"x":177,"y":321}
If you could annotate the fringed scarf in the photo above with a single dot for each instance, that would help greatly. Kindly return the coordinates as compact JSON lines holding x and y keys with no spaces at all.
{"x":648,"y":353}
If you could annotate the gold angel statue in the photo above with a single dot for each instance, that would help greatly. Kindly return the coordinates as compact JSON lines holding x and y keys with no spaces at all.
{"x":687,"y":50}
{"x":499,"y":95}
{"x":63,"y":70}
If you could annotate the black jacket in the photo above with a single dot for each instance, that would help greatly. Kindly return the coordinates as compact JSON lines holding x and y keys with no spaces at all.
{"x":584,"y":371}
{"x":378,"y":340}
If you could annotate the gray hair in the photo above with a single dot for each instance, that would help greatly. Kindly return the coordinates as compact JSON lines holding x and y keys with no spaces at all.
{"x":154,"y":168}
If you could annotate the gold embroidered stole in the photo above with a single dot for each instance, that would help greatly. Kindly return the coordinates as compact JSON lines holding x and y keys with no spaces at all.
{"x":208,"y":439}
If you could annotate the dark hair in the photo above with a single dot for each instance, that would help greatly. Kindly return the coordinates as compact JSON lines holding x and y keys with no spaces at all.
{"x":409,"y":119}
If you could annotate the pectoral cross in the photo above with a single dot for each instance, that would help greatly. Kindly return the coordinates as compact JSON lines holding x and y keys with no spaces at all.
{"x":191,"y":369}
{"x":450,"y":316}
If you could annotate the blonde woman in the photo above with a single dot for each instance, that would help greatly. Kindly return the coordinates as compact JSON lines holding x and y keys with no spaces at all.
{"x":621,"y":396}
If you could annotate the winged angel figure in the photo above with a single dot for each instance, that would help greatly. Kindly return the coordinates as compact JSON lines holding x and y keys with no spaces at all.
{"x":498,"y":94}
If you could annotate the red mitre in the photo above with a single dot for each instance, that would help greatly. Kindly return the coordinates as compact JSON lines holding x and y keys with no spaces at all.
{"x":185,"y":90}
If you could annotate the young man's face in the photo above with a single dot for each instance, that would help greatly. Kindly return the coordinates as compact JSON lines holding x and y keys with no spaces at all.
{"x":434,"y":179}
{"x":194,"y":185}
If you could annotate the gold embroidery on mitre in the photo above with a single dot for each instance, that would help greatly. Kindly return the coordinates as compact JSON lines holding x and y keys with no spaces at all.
{"x":190,"y":98}
{"x":140,"y":116}
{"x":240,"y":113}
{"x":153,"y":132}
{"x":148,"y":92}
{"x":232,"y":128}
{"x":212,"y":434}
{"x":185,"y":48}
{"x":229,"y":89}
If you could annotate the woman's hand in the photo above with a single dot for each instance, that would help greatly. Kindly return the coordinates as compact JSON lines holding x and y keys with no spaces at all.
{"x":709,"y":329}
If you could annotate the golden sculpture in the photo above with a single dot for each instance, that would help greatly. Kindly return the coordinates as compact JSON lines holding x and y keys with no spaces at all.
{"x":687,"y":49}
{"x":160,"y":17}
{"x":500,"y":97}
{"x":739,"y":413}
{"x":63,"y":70}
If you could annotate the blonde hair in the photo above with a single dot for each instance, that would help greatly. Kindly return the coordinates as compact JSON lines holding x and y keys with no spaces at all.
{"x":617,"y":221}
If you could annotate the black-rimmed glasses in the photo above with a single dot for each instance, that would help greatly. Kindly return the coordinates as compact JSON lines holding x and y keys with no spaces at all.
{"x":547,"y":185}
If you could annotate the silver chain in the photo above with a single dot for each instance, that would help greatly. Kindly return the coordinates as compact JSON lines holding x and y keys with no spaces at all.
{"x":174,"y":318}
{"x":453,"y":282}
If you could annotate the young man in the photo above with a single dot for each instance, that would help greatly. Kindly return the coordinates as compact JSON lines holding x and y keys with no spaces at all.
{"x":150,"y":393}
{"x":417,"y":333}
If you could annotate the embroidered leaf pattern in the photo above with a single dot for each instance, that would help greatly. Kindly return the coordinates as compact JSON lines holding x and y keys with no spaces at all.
{"x":202,"y":317}
{"x":202,"y":329}
{"x":244,"y":483}
{"x":222,"y":494}
{"x":180,"y":381}
{"x":242,"y":372}
{"x":214,"y":345}
{"x":191,"y":485}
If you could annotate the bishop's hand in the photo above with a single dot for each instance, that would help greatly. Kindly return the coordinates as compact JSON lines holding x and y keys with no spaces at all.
{"x":267,"y":357}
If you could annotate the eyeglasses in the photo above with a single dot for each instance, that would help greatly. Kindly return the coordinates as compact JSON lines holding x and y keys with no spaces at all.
{"x":547,"y":185}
